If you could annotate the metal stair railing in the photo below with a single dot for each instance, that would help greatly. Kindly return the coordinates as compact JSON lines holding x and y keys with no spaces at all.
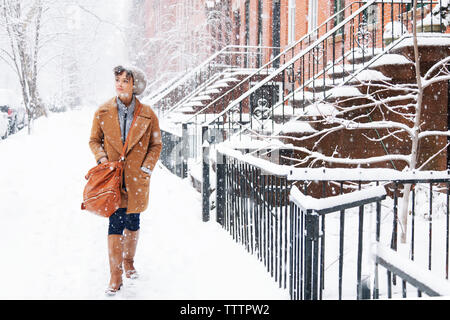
{"x":268,"y":68}
{"x":347,"y":80}
{"x":341,"y":38}
{"x":353,"y":77}
{"x":310,"y":67}
{"x":197,"y":90}
{"x":221,"y":126}
{"x":231,"y":56}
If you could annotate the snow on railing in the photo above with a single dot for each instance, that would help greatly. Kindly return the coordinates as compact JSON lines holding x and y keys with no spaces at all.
{"x":424,"y":280}
{"x":337,"y":203}
{"x":335,"y":174}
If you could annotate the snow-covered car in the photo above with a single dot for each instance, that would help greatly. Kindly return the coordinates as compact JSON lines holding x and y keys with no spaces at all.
{"x":10,"y":106}
{"x":4,"y":125}
{"x":21,"y":113}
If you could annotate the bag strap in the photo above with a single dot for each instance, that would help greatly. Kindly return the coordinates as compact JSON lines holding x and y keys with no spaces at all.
{"x":136,"y":113}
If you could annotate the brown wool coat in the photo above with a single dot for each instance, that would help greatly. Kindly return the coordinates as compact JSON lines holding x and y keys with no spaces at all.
{"x":144,"y":147}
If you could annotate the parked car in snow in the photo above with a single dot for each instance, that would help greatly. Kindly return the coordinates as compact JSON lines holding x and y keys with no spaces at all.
{"x":21,"y":114}
{"x":15,"y":112}
{"x":4,"y":125}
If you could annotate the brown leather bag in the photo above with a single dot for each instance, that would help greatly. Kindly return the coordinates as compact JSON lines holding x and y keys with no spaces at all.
{"x":101,"y":194}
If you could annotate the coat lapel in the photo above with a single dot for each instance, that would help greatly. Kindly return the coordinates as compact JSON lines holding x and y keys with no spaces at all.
{"x":111,"y":127}
{"x":140,"y":126}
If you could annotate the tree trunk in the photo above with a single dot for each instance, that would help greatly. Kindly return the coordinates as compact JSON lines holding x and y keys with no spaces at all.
{"x":416,"y":129}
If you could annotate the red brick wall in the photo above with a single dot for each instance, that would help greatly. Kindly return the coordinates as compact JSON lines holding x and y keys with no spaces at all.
{"x":165,"y":12}
{"x":162,"y":15}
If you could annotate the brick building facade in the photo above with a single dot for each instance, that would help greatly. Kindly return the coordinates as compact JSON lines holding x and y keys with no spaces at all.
{"x":206,"y":26}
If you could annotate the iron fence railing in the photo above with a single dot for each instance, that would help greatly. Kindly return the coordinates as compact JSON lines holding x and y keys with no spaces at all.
{"x":326,"y":251}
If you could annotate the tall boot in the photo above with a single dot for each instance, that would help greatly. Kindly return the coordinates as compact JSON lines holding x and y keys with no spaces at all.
{"x":130,"y":239}
{"x":115,"y":251}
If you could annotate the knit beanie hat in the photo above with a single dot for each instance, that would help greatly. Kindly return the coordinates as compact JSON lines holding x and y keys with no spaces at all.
{"x":140,"y":81}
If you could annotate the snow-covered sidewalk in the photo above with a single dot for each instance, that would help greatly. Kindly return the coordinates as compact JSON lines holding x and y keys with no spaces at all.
{"x":53,"y":250}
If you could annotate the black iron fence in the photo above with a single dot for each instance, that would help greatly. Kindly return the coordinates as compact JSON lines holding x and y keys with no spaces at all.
{"x":253,"y":201}
{"x":327,"y":249}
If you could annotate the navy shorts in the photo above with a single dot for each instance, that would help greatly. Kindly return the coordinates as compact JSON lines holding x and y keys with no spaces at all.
{"x":120,"y":220}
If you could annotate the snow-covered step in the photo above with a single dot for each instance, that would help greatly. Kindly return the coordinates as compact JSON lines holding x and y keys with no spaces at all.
{"x":344,"y":92}
{"x":390,"y":59}
{"x":368,"y":76}
{"x":210,"y":91}
{"x":357,"y":56}
{"x":395,"y":66}
{"x":320,"y":109}
{"x":193,"y":104}
{"x":201,"y":98}
{"x":227,"y":80}
{"x":242,"y":71}
{"x":319,"y":85}
{"x":312,"y":109}
{"x":340,"y":71}
{"x":185,"y":109}
{"x":220,"y":85}
{"x":295,"y":126}
{"x":303,"y":96}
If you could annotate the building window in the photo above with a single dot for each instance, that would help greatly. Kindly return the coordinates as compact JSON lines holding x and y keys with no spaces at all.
{"x":338,"y":6}
{"x":260,"y":32}
{"x":419,"y":5}
{"x":276,"y":31}
{"x":291,"y":17}
{"x":313,"y":12}
{"x":247,"y":31}
{"x":259,"y":19}
{"x":247,"y":22}
{"x":237,"y":27}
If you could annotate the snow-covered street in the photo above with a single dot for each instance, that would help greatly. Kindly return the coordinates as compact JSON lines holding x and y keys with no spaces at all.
{"x":51,"y":249}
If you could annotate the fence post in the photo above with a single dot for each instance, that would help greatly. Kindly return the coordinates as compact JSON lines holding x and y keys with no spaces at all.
{"x":310,"y":258}
{"x":364,"y":291}
{"x":220,"y":187}
{"x":184,"y":150}
{"x":164,"y":148}
{"x":178,"y":156}
{"x":205,"y":180}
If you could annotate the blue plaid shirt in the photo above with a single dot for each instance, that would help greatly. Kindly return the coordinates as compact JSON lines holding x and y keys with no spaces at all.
{"x":125,"y":117}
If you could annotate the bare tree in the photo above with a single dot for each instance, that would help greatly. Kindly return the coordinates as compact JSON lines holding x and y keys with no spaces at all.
{"x":439,"y":72}
{"x":57,"y":48}
{"x":22,"y":23}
